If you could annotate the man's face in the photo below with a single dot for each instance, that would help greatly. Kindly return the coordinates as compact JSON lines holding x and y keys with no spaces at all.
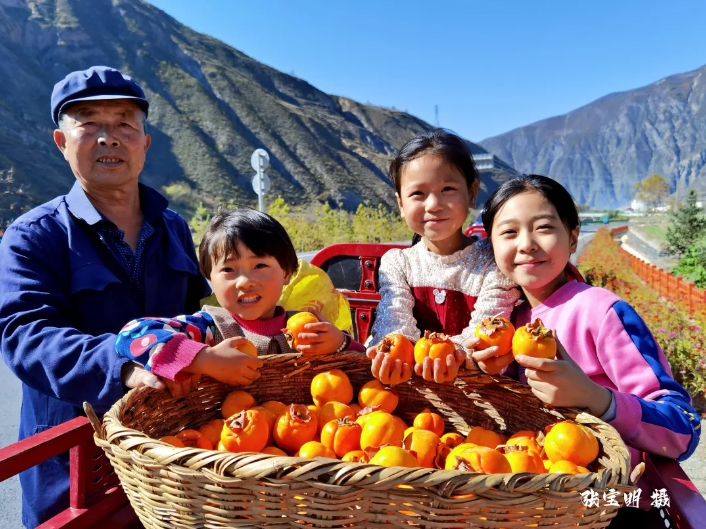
{"x":104,"y":142}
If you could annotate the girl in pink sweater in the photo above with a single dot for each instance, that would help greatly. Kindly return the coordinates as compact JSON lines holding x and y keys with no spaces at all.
{"x":249,"y":258}
{"x":609,"y":363}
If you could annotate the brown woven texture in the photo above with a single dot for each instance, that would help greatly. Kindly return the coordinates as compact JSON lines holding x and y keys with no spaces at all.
{"x":188,"y":488}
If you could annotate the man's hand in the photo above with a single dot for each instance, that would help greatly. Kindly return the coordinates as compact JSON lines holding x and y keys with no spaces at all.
{"x":486,"y":359}
{"x":183,"y":387}
{"x":134,"y":375}
{"x":562,"y":382}
{"x":388,"y":371}
{"x":226,"y":363}
{"x":320,"y":338}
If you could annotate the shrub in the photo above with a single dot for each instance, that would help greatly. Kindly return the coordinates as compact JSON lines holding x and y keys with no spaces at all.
{"x":315,"y":227}
{"x":679,"y":335}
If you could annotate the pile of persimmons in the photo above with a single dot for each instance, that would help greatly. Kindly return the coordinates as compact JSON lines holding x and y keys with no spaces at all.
{"x":368,"y":431}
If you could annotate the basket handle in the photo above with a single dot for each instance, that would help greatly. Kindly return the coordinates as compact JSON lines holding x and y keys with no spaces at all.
{"x":94,"y":420}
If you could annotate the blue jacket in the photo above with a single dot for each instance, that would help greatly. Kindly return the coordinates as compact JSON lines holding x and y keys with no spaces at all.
{"x":64,"y":296}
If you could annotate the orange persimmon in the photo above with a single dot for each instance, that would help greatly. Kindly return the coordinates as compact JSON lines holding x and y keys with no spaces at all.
{"x":382,"y":429}
{"x":534,"y":339}
{"x":355,"y":456}
{"x":270,"y":417}
{"x":452,"y":439}
{"x":479,"y":459}
{"x":567,"y":467}
{"x":374,"y":394}
{"x":273,"y":451}
{"x":235,"y":402}
{"x":294,"y":428}
{"x":482,"y":437}
{"x":434,"y":345}
{"x":496,"y":331}
{"x":212,"y":431}
{"x":194,"y":439}
{"x":248,"y":348}
{"x":295,"y":325}
{"x":397,"y":347}
{"x":341,"y":436}
{"x":522,"y":459}
{"x":331,"y":411}
{"x":570,"y":441}
{"x":428,"y":420}
{"x":172,"y":440}
{"x":424,"y":445}
{"x":393,"y":456}
{"x":275,"y":406}
{"x":314,"y":449}
{"x":245,"y":432}
{"x":330,"y":386}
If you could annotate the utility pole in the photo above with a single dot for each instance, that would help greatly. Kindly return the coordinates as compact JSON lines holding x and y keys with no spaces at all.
{"x":436,"y":116}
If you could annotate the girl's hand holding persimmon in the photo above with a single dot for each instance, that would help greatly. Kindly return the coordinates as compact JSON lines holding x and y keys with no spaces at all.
{"x":225,"y":362}
{"x":441,"y":370}
{"x":392,"y":371}
{"x":486,"y":359}
{"x":561,"y":382}
{"x":322,"y":337}
{"x":388,"y":370}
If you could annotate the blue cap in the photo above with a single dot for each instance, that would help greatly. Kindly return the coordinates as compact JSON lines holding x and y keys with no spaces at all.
{"x":96,"y":83}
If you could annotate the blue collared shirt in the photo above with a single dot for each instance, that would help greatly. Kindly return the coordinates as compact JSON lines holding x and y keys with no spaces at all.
{"x":131,"y":260}
{"x":64,"y":295}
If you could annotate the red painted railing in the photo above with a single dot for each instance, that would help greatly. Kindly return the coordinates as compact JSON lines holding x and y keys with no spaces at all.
{"x":675,"y":289}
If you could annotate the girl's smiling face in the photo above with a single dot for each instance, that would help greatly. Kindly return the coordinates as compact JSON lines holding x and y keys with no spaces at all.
{"x":434,"y":199}
{"x":532,"y":245}
{"x":248,"y":285}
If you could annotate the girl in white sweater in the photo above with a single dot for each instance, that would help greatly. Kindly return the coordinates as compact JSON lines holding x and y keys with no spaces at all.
{"x":446,"y":282}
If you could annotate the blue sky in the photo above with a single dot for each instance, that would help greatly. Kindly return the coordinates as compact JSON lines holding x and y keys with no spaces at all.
{"x":490,"y":65}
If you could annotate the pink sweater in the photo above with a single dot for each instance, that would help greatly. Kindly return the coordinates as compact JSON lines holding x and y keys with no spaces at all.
{"x":610,"y":342}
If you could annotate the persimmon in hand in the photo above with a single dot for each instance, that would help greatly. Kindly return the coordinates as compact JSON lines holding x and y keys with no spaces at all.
{"x":295,"y":325}
{"x":495,"y":331}
{"x":534,"y":339}
{"x":433,"y":345}
{"x":397,"y":347}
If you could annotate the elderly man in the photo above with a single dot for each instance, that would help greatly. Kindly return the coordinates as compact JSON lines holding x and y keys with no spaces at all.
{"x":73,"y":271}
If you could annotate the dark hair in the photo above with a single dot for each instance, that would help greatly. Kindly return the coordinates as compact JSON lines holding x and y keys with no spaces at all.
{"x":438,"y":142}
{"x":262,"y":234}
{"x":553,"y":191}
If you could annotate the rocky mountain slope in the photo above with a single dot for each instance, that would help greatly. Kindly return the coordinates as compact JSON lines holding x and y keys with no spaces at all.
{"x":211,"y":107}
{"x":600,"y":151}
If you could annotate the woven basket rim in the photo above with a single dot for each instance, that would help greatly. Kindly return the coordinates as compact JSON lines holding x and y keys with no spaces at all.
{"x":226,"y":465}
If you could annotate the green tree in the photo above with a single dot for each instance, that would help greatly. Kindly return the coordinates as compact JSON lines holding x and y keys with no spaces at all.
{"x":199,"y":222}
{"x":652,"y":191}
{"x":686,"y":227}
{"x":692,"y":265}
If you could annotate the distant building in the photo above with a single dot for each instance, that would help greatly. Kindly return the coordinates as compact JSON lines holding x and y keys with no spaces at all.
{"x":638,"y":205}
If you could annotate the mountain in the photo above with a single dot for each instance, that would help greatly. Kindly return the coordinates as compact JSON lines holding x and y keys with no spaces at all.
{"x":211,"y":106}
{"x":600,"y":151}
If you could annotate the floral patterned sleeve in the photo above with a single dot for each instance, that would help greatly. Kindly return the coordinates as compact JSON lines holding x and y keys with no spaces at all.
{"x":165,"y":346}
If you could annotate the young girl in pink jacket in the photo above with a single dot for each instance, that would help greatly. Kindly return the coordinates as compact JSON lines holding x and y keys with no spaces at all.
{"x":608,"y":360}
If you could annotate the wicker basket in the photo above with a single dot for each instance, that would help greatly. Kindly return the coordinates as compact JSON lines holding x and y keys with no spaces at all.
{"x":186,"y":487}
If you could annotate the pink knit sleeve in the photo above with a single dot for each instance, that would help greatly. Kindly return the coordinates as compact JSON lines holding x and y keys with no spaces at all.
{"x":175,"y":355}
